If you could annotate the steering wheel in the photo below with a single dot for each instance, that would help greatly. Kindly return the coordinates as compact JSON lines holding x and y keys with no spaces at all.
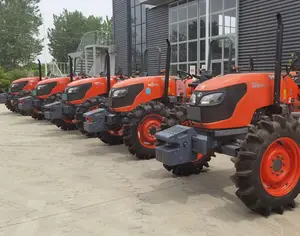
{"x":183,"y":74}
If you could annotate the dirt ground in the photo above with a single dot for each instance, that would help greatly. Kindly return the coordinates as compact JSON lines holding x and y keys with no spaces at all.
{"x":61,"y":183}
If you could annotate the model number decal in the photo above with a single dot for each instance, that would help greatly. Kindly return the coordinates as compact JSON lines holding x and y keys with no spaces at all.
{"x":257,"y":85}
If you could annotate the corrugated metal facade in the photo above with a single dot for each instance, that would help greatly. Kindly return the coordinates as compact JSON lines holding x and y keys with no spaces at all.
{"x":157,"y":33}
{"x":121,"y":33}
{"x":257,"y":31}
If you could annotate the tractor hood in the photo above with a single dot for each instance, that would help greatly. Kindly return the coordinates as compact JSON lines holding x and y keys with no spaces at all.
{"x":141,"y":80}
{"x":59,"y":80}
{"x":31,"y":79}
{"x":223,"y":81}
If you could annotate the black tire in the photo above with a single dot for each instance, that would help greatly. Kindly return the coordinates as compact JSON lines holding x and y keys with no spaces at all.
{"x":177,"y":116}
{"x":251,"y":160}
{"x":85,"y":107}
{"x":53,"y":98}
{"x":131,"y":136}
{"x":110,"y":139}
{"x":64,"y":125}
{"x":9,"y":106}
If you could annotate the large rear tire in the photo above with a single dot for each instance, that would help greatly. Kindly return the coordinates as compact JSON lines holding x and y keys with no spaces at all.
{"x":145,"y":121}
{"x":268,"y":166}
{"x":178,"y":116}
{"x":88,"y":105}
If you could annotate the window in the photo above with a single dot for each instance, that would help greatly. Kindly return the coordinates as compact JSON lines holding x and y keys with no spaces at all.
{"x":182,"y":52}
{"x":229,"y":4}
{"x":182,"y":31}
{"x":193,"y":51}
{"x":216,"y":5}
{"x":187,"y":32}
{"x":193,"y":29}
{"x":138,"y":22}
{"x":193,"y":11}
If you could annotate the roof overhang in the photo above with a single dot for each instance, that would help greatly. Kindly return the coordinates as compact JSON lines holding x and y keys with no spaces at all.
{"x":158,"y":2}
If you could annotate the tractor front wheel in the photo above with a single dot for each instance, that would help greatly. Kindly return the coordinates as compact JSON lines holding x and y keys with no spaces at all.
{"x":111,"y":137}
{"x":178,"y":116}
{"x":65,"y":125}
{"x":88,"y":105}
{"x":139,"y":134}
{"x":268,"y":166}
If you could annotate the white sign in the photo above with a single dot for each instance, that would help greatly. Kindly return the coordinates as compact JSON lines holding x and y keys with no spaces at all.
{"x":203,"y":67}
{"x":192,"y":70}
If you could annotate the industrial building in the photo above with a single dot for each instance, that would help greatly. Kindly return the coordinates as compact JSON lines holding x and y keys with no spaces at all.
{"x":142,"y":26}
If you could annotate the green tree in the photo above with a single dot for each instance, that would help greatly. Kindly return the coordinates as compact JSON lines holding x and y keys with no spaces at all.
{"x":68,"y":30}
{"x":19,"y":29}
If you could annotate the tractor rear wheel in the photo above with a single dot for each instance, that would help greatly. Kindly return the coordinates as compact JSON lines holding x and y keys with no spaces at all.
{"x":268,"y":166}
{"x":144,"y":122}
{"x":178,"y":116}
{"x":88,"y":105}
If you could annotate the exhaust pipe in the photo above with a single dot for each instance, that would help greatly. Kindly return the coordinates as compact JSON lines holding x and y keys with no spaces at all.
{"x":278,"y":61}
{"x":167,"y":76}
{"x":71,"y":68}
{"x":40,"y":70}
{"x":107,"y":61}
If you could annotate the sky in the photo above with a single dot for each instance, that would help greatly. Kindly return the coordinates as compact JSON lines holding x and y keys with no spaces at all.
{"x":87,"y":7}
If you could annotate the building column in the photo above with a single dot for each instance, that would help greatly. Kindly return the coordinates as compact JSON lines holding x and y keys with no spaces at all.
{"x":94,"y":60}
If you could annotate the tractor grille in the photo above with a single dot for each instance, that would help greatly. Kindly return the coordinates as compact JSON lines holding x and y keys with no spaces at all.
{"x":223,"y":111}
{"x":17,"y":87}
{"x":129,"y":98}
{"x":45,"y":89}
{"x":80,"y":94}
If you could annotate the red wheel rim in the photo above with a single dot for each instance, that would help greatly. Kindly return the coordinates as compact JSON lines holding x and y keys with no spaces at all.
{"x":147,"y":129}
{"x":116,"y":133}
{"x":280,"y":167}
{"x":69,"y":121}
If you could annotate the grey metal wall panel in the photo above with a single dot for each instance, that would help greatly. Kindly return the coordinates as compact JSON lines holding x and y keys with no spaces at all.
{"x":120,"y":33}
{"x":157,"y":33}
{"x":257,"y":31}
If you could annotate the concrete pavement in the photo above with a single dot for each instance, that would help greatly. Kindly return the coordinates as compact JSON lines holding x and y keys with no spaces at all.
{"x":55,"y":183}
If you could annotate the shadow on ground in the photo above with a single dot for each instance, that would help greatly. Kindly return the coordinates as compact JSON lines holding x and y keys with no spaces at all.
{"x":216,"y":184}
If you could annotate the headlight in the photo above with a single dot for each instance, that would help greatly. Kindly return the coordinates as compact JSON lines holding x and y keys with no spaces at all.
{"x":211,"y":99}
{"x":41,"y":86}
{"x":119,"y":93}
{"x":73,"y":90}
{"x":193,"y":99}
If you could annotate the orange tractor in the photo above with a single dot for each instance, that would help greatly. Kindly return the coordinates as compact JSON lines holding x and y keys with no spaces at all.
{"x":18,"y":89}
{"x":125,"y":117}
{"x":80,"y":97}
{"x":45,"y":92}
{"x":266,"y":154}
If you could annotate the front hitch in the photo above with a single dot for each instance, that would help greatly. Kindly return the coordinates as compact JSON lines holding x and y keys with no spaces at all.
{"x":97,"y":121}
{"x":54,"y":111}
{"x":3,"y":98}
{"x":180,"y":144}
{"x":25,"y":103}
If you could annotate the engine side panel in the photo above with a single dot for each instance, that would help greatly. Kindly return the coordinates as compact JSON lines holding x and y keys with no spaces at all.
{"x":98,"y":88}
{"x":143,"y":90}
{"x":260,"y":94}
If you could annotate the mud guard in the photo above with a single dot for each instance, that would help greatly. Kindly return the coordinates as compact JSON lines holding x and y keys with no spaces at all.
{"x":54,"y":111}
{"x":25,"y":103}
{"x":3,"y":98}
{"x":98,"y":121}
{"x":181,"y":144}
